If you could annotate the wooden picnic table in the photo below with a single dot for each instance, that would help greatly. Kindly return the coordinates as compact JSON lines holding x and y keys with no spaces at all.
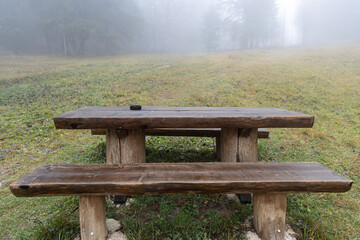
{"x":127,"y":172}
{"x":125,"y":134}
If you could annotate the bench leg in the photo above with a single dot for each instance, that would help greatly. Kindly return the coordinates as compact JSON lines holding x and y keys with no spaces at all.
{"x":92,"y":217}
{"x":269,"y":215}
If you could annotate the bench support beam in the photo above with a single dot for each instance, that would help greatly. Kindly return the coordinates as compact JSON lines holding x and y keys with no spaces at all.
{"x":269,"y":215}
{"x":92,"y":217}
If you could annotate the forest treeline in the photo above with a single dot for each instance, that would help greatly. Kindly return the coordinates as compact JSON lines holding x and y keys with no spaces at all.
{"x":108,"y":27}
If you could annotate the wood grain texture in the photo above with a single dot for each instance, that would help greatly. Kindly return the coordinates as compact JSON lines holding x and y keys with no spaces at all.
{"x":132,"y":146}
{"x":162,"y":117}
{"x":247,"y":145}
{"x":112,"y":147}
{"x":92,"y":217}
{"x":229,"y":144}
{"x":164,"y":178}
{"x":185,"y":132}
{"x":218,"y":148}
{"x":269,"y":215}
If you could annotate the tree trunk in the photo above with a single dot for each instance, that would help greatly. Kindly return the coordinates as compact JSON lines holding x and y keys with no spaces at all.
{"x":65,"y":46}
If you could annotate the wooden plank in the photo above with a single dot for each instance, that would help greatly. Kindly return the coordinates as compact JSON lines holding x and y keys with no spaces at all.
{"x":92,"y":217}
{"x":112,"y":118}
{"x":269,"y":215}
{"x":176,"y":109}
{"x":164,"y":178}
{"x":185,"y":132}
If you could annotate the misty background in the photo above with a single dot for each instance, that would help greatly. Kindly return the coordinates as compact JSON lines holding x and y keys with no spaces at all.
{"x":110,"y":27}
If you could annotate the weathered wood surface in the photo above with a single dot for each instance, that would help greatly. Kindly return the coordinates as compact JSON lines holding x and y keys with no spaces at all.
{"x":132,"y":146}
{"x":247,"y":145}
{"x":184,"y":132}
{"x":247,"y":151}
{"x":229,"y":144}
{"x":112,"y":147}
{"x":161,"y":178}
{"x":125,"y":146}
{"x":92,"y":217}
{"x":269,"y":215}
{"x":181,"y":117}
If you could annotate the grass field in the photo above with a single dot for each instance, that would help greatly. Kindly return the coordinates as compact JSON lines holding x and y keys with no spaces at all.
{"x":323,"y":82}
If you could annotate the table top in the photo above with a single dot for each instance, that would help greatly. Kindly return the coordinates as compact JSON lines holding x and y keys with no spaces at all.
{"x":182,"y":117}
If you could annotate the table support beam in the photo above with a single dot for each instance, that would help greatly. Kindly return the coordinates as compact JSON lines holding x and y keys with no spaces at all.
{"x":247,"y":145}
{"x":112,"y":147}
{"x":269,"y":215}
{"x":132,"y":146}
{"x":92,"y":217}
{"x":125,"y":146}
{"x":218,"y":148}
{"x":229,"y":144}
{"x":238,"y":145}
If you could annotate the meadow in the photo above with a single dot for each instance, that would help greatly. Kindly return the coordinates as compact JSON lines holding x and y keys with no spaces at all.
{"x":324,"y":82}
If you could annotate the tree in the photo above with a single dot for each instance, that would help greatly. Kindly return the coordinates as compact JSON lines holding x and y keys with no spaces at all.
{"x":16,"y":25}
{"x":212,"y":25}
{"x":68,"y":26}
{"x":252,"y":22}
{"x":74,"y":23}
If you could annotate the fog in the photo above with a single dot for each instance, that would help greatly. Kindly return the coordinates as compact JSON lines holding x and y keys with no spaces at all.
{"x":110,"y":27}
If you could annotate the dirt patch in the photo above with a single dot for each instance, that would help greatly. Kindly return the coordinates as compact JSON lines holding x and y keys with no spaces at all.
{"x":223,"y":207}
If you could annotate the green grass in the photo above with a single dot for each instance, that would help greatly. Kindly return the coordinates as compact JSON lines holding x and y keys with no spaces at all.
{"x":322,"y":82}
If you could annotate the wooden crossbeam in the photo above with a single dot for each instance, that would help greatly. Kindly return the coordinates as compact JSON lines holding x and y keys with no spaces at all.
{"x":185,"y":132}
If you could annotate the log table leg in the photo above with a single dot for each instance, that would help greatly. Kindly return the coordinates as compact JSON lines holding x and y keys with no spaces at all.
{"x":112,"y":147}
{"x":218,"y":148}
{"x":239,"y":145}
{"x":247,"y":152}
{"x":269,"y":215}
{"x":92,"y":217}
{"x":229,"y":144}
{"x":247,"y":145}
{"x":132,"y":146}
{"x":125,"y":146}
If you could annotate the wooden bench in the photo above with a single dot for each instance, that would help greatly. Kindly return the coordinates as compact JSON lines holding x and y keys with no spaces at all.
{"x":269,"y":182}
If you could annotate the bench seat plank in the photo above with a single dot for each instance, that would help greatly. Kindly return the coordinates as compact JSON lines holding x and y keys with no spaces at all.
{"x":185,"y":132}
{"x":160,"y":178}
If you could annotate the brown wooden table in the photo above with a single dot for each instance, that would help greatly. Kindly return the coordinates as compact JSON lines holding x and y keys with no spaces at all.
{"x":125,"y":134}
